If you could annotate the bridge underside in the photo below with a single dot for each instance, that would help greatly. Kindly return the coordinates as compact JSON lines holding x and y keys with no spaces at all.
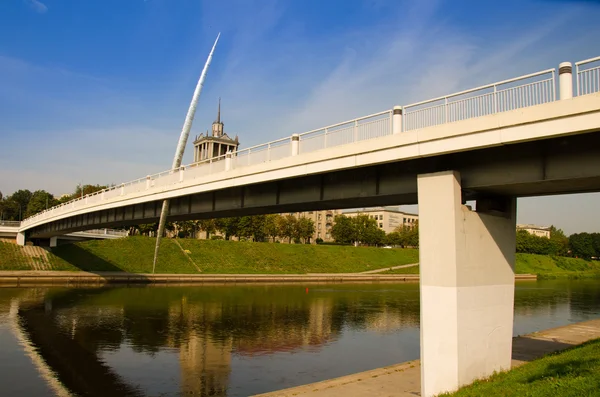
{"x":563,"y":165}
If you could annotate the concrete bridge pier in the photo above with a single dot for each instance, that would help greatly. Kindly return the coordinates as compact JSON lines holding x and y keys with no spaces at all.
{"x":21,"y":238}
{"x":467,"y":284}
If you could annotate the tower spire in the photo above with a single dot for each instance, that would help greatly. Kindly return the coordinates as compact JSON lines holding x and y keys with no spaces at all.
{"x":219,"y":112}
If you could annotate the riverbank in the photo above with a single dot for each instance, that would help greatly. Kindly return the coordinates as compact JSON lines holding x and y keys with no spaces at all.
{"x":188,"y":256}
{"x":405,"y":379}
{"x":67,"y":278}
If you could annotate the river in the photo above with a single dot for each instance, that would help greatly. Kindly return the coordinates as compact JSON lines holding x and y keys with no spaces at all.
{"x":229,"y":340}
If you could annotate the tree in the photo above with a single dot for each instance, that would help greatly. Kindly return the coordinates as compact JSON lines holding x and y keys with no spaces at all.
{"x":287,"y":227}
{"x":258,"y":227}
{"x":245,"y":229}
{"x":228,"y":226}
{"x":560,"y":242}
{"x":271,"y":226}
{"x":582,"y":245}
{"x":39,"y":201}
{"x":366,"y":230}
{"x":305,"y":228}
{"x":207,"y":225}
{"x":17,"y":204}
{"x":343,"y":230}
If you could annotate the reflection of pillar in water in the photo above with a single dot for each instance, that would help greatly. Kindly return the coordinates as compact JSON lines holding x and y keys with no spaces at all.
{"x":319,"y":323}
{"x":204,"y":363}
{"x":205,"y":366}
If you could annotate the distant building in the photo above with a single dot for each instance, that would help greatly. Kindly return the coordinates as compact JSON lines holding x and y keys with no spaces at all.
{"x":540,"y":231}
{"x":218,"y":144}
{"x":387,"y":218}
{"x":323,"y":220}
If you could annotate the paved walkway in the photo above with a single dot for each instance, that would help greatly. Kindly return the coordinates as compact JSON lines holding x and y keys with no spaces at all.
{"x":405,"y":379}
{"x":385,"y":269}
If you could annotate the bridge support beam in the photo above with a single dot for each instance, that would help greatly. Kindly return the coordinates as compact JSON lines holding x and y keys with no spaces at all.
{"x":467,"y":284}
{"x":21,"y":238}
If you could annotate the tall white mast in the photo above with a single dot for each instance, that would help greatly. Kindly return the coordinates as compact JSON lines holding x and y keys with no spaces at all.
{"x":185,"y":132}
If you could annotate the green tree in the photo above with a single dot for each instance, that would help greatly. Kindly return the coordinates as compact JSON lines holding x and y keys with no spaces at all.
{"x":305,"y":228}
{"x":366,"y":230}
{"x":560,"y":242}
{"x":582,"y":245}
{"x":40,"y":200}
{"x":271,"y":226}
{"x":228,"y":226}
{"x":208,"y":226}
{"x":258,"y":227}
{"x":18,"y":203}
{"x":287,"y":227}
{"x":343,"y":231}
{"x":245,"y":229}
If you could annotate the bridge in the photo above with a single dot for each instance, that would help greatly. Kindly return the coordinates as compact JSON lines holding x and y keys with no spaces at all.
{"x":10,"y":229}
{"x":526,"y":136}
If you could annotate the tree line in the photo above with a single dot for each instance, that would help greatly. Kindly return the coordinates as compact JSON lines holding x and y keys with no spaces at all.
{"x":581,"y":245}
{"x":363,"y":230}
{"x":24,"y":203}
{"x":257,"y":228}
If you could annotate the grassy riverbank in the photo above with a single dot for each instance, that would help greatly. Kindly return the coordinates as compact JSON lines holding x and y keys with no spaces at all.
{"x":135,"y":254}
{"x":573,"y":372}
{"x":551,"y":267}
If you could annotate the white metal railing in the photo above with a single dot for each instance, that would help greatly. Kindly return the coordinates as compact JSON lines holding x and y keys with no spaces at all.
{"x":529,"y":90}
{"x":10,"y":223}
{"x":109,"y":232}
{"x":368,"y":127}
{"x":588,"y":76}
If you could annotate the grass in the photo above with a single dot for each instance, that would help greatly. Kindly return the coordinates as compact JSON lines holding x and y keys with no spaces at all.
{"x":11,"y":257}
{"x":135,"y":254}
{"x":572,"y":372}
{"x":549,"y":267}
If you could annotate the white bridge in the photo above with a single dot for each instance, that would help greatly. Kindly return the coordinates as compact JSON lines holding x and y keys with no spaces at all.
{"x":521,"y":137}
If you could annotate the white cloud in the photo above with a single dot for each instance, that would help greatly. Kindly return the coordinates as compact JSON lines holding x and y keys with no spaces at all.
{"x":37,"y":6}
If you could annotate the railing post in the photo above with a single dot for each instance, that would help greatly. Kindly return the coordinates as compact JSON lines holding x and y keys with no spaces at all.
{"x":397,"y":120}
{"x":295,"y":144}
{"x":269,"y":152}
{"x":181,"y":172}
{"x":495,"y":99}
{"x":122,"y":189}
{"x":249,"y":153}
{"x":355,"y":131}
{"x":325,"y":139}
{"x":148,"y":181}
{"x":565,"y":79}
{"x":445,"y":110}
{"x":228,"y":160}
{"x":102,"y":195}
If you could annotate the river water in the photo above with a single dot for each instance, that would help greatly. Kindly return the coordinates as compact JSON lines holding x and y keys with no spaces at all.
{"x":229,"y":340}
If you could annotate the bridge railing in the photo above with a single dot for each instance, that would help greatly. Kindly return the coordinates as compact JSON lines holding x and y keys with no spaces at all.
{"x":368,"y":127}
{"x":588,"y":76}
{"x":10,"y":223}
{"x":524,"y":91}
{"x":529,"y":90}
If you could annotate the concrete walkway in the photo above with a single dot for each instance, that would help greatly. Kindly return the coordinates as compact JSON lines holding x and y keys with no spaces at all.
{"x":385,"y":269}
{"x":405,"y":379}
{"x":28,"y":277}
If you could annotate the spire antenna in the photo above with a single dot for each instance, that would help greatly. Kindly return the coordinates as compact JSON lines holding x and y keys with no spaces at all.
{"x":219,"y":112}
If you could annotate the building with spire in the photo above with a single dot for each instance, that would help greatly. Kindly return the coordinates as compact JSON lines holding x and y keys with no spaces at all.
{"x":218,"y":144}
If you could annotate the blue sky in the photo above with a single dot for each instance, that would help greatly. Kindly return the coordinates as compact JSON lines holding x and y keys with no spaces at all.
{"x":97,"y":91}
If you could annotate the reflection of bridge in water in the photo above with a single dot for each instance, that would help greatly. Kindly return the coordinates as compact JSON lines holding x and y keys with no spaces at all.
{"x":69,"y":335}
{"x":65,"y":334}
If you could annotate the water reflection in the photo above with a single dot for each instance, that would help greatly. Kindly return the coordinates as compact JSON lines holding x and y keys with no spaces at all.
{"x":218,"y":341}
